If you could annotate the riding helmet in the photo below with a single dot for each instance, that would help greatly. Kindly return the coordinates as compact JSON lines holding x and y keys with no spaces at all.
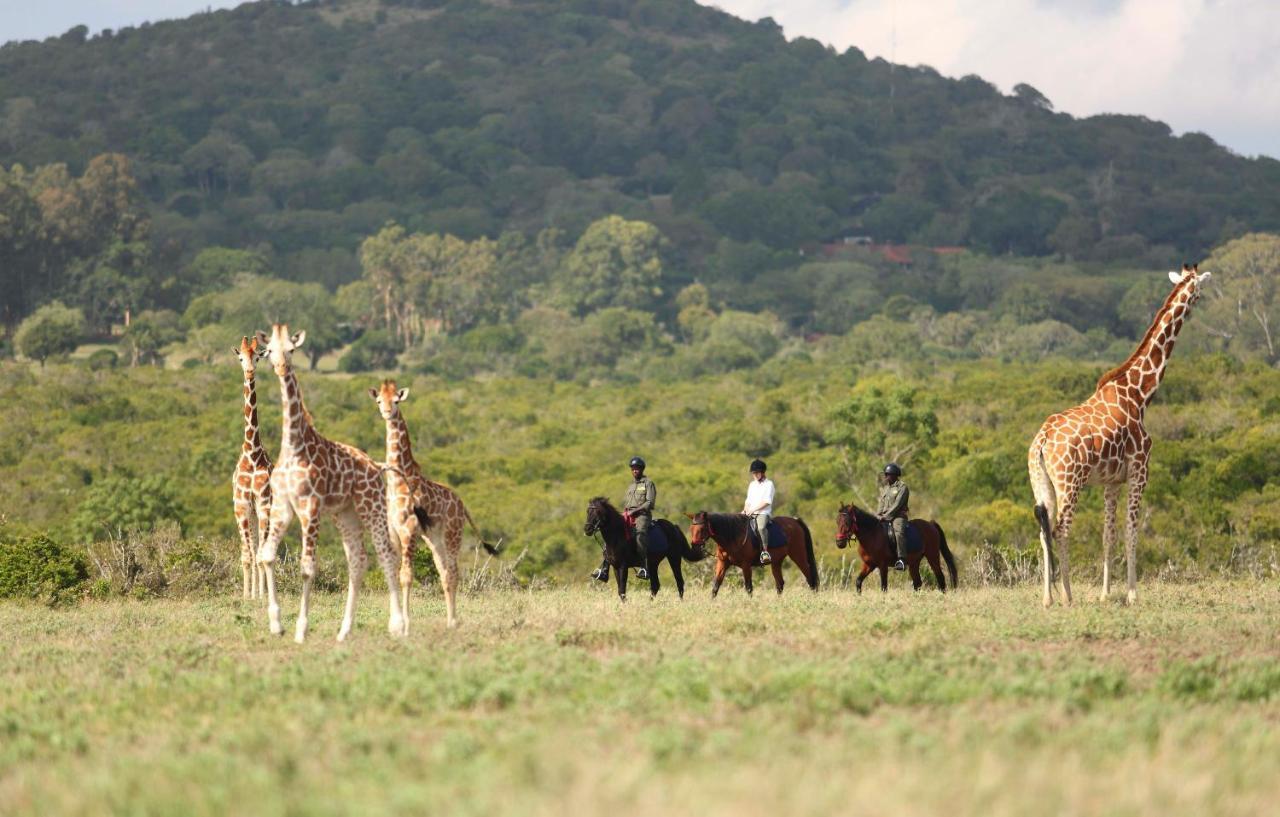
{"x":893,"y":469}
{"x":757,"y":465}
{"x":637,"y":462}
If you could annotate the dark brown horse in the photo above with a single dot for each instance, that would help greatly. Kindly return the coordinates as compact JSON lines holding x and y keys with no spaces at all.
{"x":666,"y":541}
{"x":877,"y":550}
{"x":734,"y":546}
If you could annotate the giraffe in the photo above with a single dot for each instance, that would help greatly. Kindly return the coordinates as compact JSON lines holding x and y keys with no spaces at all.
{"x":315,"y":477}
{"x":251,"y":481}
{"x":418,"y":507}
{"x":1103,"y":441}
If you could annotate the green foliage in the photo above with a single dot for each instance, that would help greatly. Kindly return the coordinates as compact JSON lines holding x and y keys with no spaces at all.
{"x":37,"y":567}
{"x":149,"y":333}
{"x":103,"y":359}
{"x":615,"y":263}
{"x":52,"y":330}
{"x":374,"y":349}
{"x":118,"y":503}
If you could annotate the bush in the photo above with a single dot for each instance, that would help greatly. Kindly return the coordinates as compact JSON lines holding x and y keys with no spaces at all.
{"x":39,"y":568}
{"x":375,"y":349}
{"x":103,"y":359}
{"x":160,"y":562}
{"x":118,"y":503}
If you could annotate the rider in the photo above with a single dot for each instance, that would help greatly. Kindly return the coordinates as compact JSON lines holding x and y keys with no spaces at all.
{"x":759,"y":505}
{"x":893,"y":509}
{"x":638,"y":502}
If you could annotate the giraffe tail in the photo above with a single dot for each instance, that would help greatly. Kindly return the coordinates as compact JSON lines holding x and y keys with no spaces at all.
{"x":491,"y":549}
{"x":1046,"y":500}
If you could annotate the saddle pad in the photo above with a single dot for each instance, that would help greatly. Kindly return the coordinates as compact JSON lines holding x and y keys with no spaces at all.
{"x":914,"y":542}
{"x":657,"y":540}
{"x":777,"y":538}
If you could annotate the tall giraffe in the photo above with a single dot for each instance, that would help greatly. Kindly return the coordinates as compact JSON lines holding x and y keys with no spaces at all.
{"x":1103,"y":441}
{"x":419,"y":507}
{"x":251,"y":481}
{"x":314,"y":477}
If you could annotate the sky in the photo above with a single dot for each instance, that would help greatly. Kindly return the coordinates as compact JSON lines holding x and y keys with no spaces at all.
{"x":1199,"y":65}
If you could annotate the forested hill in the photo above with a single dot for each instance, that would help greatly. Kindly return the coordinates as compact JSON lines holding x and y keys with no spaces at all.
{"x":310,"y":125}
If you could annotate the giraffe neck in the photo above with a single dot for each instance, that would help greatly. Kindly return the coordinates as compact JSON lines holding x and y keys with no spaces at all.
{"x":296,"y":421}
{"x":252,"y":442}
{"x":1146,"y":366}
{"x":399,"y":452}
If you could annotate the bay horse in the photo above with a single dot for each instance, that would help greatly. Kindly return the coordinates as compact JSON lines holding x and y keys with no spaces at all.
{"x":731,"y":533}
{"x":877,"y":551}
{"x":665,"y":541}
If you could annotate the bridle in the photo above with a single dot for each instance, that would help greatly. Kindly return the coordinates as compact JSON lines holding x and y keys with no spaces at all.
{"x":710,"y":534}
{"x":845,"y":532}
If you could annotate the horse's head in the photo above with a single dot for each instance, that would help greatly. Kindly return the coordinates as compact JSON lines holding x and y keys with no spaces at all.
{"x":595,"y":515}
{"x":699,"y":528}
{"x":846,"y":525}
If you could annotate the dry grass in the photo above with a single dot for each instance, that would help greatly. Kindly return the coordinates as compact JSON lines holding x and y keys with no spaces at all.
{"x":565,"y":701}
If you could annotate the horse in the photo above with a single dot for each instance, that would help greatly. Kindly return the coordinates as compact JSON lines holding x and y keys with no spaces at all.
{"x":734,"y":546}
{"x":665,"y":541}
{"x":877,"y":552}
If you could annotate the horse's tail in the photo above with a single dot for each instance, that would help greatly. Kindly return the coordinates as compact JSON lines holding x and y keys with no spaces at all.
{"x":1045,"y":494}
{"x":679,"y":544}
{"x":491,"y":549}
{"x":812,"y":578}
{"x":946,"y":555}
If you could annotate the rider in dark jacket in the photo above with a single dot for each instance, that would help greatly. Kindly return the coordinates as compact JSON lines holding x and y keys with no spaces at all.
{"x":638,"y":502}
{"x":893,"y":509}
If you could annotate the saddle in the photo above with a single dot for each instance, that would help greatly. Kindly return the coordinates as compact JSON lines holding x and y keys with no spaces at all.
{"x":914,"y":542}
{"x":657,"y":539}
{"x":774,"y":534}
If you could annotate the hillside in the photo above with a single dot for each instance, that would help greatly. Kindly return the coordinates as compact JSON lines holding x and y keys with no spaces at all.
{"x":304,"y":128}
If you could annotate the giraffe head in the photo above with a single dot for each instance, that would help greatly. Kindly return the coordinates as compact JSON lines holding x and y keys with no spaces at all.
{"x":388,"y":398}
{"x":280,"y":346}
{"x":249,"y":353}
{"x":1187,"y":283}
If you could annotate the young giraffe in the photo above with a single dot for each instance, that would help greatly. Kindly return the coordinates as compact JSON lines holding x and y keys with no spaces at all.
{"x":1103,"y":441}
{"x":314,"y":477}
{"x":251,"y":481}
{"x":417,"y":506}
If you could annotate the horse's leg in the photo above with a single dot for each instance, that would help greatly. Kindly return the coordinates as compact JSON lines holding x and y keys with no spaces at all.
{"x":620,"y":573}
{"x":674,"y":561}
{"x":746,"y":578}
{"x":913,"y":567}
{"x":884,"y":578}
{"x":931,"y":553}
{"x":776,"y":564}
{"x":654,"y":585}
{"x":721,"y":567}
{"x":867,"y":567}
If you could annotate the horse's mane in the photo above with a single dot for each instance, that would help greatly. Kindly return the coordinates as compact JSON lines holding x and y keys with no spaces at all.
{"x":599,"y":500}
{"x":732,"y":524}
{"x":1116,"y":373}
{"x":864,"y":520}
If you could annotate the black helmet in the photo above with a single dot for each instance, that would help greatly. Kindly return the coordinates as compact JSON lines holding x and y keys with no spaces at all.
{"x":757,"y":465}
{"x":637,"y":462}
{"x":893,"y":469}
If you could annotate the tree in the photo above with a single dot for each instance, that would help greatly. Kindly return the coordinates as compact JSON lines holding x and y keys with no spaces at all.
{"x":53,"y":329}
{"x":1243,"y":303}
{"x":150,"y":332}
{"x":215,"y":268}
{"x":878,"y":425}
{"x":119,"y":503}
{"x":615,"y":263}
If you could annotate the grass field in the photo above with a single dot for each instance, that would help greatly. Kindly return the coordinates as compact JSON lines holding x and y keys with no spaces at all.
{"x":564,"y":701}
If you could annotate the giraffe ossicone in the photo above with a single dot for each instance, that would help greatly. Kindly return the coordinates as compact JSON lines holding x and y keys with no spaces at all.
{"x":1104,"y":441}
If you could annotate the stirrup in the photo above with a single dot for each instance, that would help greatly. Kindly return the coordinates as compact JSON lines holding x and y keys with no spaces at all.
{"x":641,"y":573}
{"x":765,"y":558}
{"x":600,"y":574}
{"x":900,"y":565}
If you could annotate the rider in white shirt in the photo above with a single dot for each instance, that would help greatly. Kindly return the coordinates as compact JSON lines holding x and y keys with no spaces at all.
{"x":759,"y":505}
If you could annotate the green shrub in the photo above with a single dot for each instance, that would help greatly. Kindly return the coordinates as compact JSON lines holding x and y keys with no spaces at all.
{"x":103,"y":359}
{"x":119,"y":502}
{"x":37,"y":567}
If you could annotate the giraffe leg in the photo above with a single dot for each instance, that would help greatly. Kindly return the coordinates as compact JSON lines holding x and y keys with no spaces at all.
{"x":353,"y":545}
{"x":1137,"y":484}
{"x":281,"y":516}
{"x":1110,"y":497}
{"x":1062,"y":536}
{"x":247,"y":550}
{"x":263,"y":508}
{"x":373,"y":513}
{"x":309,"y":519}
{"x":408,"y":532}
